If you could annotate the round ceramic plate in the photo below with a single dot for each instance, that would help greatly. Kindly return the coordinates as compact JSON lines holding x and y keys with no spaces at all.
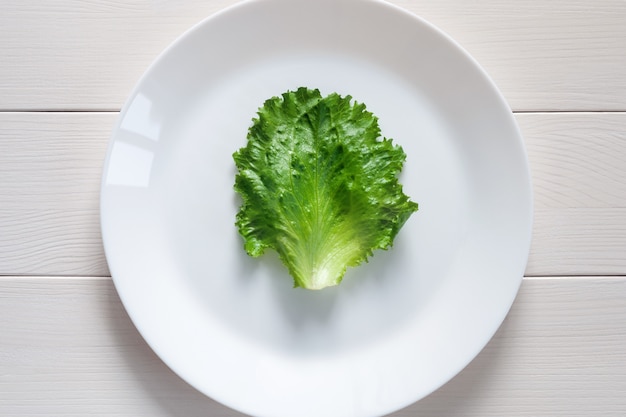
{"x":234,"y":327}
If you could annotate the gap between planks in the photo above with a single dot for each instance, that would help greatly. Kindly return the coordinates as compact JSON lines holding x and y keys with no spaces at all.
{"x":117,"y":110}
{"x":107,"y":278}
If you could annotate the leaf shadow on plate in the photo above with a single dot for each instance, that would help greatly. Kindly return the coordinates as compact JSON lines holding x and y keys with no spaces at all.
{"x":300,"y":305}
{"x":370,"y":303}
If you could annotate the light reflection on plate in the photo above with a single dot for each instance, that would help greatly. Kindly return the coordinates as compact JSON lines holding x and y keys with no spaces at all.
{"x":398,"y":327}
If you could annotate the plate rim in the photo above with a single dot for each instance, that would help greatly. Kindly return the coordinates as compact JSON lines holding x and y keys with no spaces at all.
{"x":223,"y":13}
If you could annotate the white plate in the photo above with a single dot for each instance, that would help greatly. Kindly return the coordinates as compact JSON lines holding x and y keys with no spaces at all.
{"x":398,"y":327}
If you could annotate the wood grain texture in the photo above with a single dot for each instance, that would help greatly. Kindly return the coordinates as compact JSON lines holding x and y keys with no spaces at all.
{"x":579,"y":180}
{"x":69,"y":349}
{"x":578,"y":241}
{"x":544,"y":56}
{"x":50,"y":169}
{"x":67,"y":346}
{"x":576,"y":159}
{"x":50,"y":165}
{"x":87,"y":55}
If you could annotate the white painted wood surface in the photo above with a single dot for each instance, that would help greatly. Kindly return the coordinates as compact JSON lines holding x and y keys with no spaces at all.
{"x":51,"y":163}
{"x":71,"y":54}
{"x":67,"y":347}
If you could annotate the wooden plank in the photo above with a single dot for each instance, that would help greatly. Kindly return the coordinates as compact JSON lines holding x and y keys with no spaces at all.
{"x":578,"y":241}
{"x":87,"y":55}
{"x":68,"y":348}
{"x":576,"y":159}
{"x":579,"y":180}
{"x":50,"y":165}
{"x":543,"y":56}
{"x":50,"y":168}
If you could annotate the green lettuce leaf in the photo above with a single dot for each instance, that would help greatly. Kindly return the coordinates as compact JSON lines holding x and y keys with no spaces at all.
{"x":319,"y":185}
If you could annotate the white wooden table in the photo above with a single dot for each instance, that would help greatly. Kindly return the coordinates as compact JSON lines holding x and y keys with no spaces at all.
{"x":67,"y":347}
